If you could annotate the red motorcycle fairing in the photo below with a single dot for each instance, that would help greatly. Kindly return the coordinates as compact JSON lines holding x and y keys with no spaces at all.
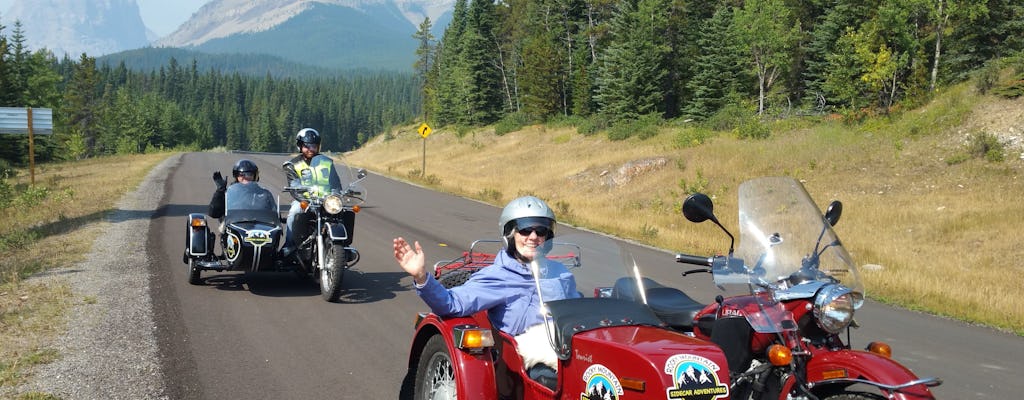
{"x":844,"y":367}
{"x":475,"y":371}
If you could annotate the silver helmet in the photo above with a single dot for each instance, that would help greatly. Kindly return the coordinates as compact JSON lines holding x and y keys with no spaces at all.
{"x":523,"y":212}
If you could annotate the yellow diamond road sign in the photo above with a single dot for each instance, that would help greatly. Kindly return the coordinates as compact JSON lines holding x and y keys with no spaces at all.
{"x":424,"y":130}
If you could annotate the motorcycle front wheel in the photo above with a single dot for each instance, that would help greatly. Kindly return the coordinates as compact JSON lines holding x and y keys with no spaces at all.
{"x":333,"y":272}
{"x":435,"y":376}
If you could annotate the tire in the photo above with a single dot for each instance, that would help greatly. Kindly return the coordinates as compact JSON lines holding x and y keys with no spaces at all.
{"x":435,"y":375}
{"x":332,"y":274}
{"x":193,"y":272}
{"x":454,"y":278}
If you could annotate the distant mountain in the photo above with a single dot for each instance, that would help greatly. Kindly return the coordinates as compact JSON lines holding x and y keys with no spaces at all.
{"x":330,"y":34}
{"x":73,"y":27}
{"x":374,"y":34}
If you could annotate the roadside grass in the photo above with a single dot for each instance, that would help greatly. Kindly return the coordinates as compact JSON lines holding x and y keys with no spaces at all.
{"x":941,"y":237}
{"x":49,"y":226}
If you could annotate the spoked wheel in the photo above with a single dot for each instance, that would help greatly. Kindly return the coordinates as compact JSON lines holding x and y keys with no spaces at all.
{"x":193,"y":272}
{"x":435,"y":376}
{"x":332,"y":273}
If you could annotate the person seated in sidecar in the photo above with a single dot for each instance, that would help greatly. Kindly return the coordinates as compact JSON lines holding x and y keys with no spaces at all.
{"x":245,"y":173}
{"x":505,"y":288}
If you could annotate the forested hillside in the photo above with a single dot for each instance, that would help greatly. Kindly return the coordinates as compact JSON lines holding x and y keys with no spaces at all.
{"x":529,"y":60}
{"x":603,"y":64}
{"x":102,"y":109}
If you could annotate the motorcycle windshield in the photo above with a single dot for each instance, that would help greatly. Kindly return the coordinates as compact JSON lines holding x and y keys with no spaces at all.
{"x":784,"y":242}
{"x":589,"y":261}
{"x":250,"y":202}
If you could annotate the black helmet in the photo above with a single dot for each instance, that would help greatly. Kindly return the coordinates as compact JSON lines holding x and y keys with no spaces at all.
{"x":244,"y":165}
{"x":307,"y":135}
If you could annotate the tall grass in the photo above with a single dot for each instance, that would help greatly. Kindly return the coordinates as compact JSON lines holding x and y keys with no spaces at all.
{"x":945,"y":236}
{"x":48,"y":225}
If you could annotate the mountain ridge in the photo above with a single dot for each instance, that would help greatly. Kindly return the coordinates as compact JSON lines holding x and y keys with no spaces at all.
{"x":224,"y":18}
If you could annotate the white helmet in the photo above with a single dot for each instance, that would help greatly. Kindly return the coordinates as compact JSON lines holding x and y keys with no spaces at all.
{"x":524,"y":212}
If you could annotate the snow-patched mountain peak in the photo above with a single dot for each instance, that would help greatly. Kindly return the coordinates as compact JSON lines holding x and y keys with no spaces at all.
{"x":95,"y":27}
{"x":223,"y":18}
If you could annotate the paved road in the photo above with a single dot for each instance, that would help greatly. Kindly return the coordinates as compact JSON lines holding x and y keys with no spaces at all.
{"x":272,"y":336}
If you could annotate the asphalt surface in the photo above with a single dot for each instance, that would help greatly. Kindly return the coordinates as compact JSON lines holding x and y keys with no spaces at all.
{"x":272,"y":335}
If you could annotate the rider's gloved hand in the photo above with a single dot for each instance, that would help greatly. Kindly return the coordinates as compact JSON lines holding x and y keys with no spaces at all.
{"x":219,"y":180}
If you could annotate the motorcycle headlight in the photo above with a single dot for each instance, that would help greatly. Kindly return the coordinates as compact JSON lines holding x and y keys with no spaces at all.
{"x":333,"y":204}
{"x":833,"y":307}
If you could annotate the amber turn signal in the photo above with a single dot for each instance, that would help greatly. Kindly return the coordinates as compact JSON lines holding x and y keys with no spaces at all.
{"x":356,"y":208}
{"x":198,"y":222}
{"x":472,"y":339}
{"x":780,"y":355}
{"x":880,"y":348}
{"x":304,"y":204}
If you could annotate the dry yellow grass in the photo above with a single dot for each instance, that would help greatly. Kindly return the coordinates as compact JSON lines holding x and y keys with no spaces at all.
{"x":947,"y":237}
{"x":56,"y":231}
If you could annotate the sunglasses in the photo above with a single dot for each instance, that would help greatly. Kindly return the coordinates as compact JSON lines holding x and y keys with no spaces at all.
{"x":247,"y":175}
{"x":313,"y":146}
{"x":542,"y":231}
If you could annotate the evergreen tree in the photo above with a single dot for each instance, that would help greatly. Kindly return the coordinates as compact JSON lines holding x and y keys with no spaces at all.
{"x":424,"y":58}
{"x":632,"y":69}
{"x":718,"y":71}
{"x":81,"y":109}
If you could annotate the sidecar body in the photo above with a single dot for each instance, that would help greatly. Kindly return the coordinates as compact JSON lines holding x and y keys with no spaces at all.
{"x":607,"y":349}
{"x":250,"y":234}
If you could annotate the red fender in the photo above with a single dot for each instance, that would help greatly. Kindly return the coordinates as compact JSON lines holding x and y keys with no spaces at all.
{"x":840,"y":366}
{"x":474,"y":373}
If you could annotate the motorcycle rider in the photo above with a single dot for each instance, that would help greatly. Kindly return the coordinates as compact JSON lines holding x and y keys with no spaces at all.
{"x":303,"y":169}
{"x":505,"y":288}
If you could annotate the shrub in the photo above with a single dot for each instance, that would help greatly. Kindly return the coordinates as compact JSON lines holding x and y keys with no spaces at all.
{"x":592,"y":125}
{"x":690,"y":137}
{"x":511,"y":123}
{"x":645,"y":127}
{"x":986,"y":145}
{"x":728,"y":118}
{"x":753,"y":128}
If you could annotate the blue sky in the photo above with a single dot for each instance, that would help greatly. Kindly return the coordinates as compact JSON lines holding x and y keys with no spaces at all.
{"x":161,"y":16}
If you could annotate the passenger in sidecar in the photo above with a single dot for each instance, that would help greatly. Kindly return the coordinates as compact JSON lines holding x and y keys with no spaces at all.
{"x":250,"y":227}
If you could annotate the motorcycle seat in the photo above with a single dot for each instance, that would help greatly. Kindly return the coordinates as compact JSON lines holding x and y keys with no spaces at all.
{"x":671,"y":305}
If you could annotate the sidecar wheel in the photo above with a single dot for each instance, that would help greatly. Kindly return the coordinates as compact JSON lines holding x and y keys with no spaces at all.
{"x":193,"y":272}
{"x":332,"y":274}
{"x":435,"y":376}
{"x":454,"y":278}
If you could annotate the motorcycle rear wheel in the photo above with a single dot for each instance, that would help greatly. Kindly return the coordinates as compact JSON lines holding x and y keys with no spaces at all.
{"x":435,"y":376}
{"x":193,"y":272}
{"x":332,"y":274}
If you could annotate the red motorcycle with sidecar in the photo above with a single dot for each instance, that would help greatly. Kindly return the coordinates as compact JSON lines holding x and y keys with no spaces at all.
{"x":782,"y":331}
{"x":607,"y":348}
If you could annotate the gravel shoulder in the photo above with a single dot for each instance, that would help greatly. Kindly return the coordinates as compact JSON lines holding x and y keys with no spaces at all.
{"x":109,"y":350}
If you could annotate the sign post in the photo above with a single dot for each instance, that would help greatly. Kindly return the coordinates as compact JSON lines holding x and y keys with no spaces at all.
{"x":424,"y":131}
{"x":19,"y":121}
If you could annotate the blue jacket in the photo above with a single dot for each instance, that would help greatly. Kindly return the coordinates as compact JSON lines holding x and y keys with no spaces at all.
{"x":505,"y":289}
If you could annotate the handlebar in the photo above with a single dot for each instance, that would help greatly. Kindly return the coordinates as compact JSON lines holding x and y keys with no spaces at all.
{"x":695,"y":260}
